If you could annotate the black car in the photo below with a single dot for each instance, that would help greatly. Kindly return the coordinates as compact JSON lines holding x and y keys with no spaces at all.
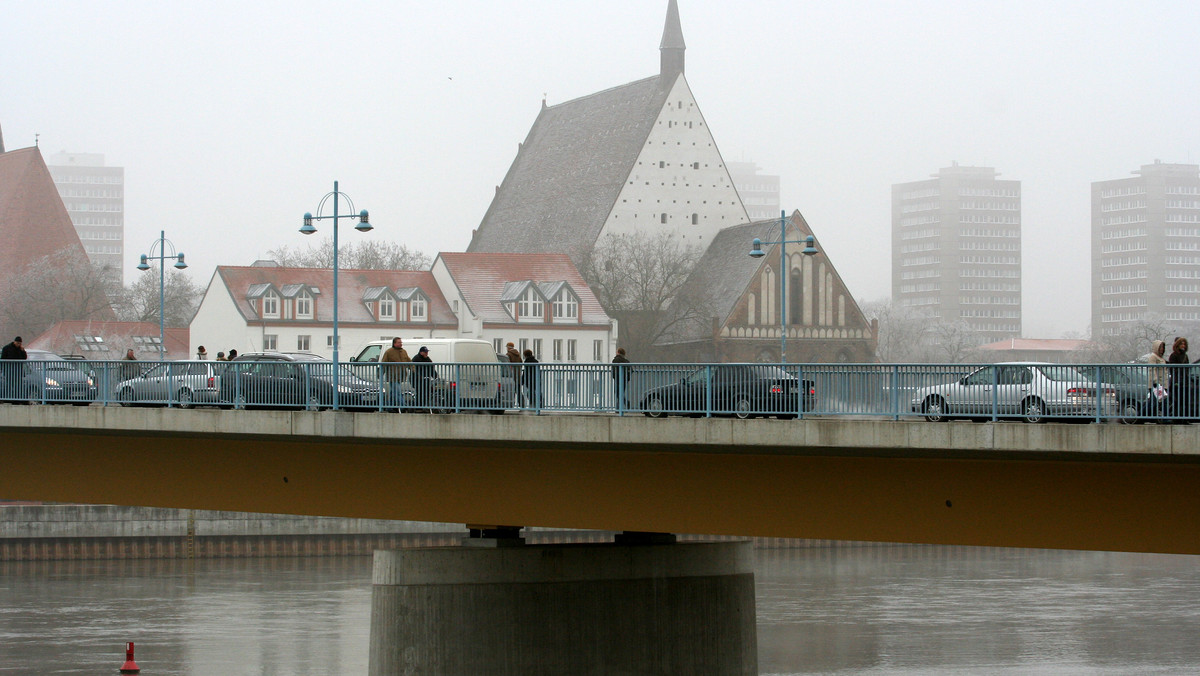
{"x":742,"y":390}
{"x":292,"y":380}
{"x":45,"y":377}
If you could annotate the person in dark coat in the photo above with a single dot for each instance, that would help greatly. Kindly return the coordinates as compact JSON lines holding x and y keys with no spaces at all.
{"x":425,"y":375}
{"x":13,"y":373}
{"x":531,"y":379}
{"x":620,"y":374}
{"x":1178,"y":400}
{"x":514,"y":358}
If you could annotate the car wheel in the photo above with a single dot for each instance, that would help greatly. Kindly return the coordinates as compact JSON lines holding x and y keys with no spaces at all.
{"x":240,"y":401}
{"x":654,"y":408}
{"x":742,"y":407}
{"x":313,"y":403}
{"x":184,"y":397}
{"x":1033,"y":411}
{"x":934,"y":409}
{"x":125,"y":396}
{"x":1129,"y":413}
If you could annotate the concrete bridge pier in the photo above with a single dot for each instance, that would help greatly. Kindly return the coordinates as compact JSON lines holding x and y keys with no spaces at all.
{"x":643,"y":606}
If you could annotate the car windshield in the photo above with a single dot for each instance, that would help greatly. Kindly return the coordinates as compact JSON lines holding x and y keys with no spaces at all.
{"x":1062,"y":374}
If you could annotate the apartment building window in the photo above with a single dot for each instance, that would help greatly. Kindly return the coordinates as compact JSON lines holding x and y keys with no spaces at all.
{"x":304,"y":307}
{"x":270,"y":343}
{"x":524,"y":345}
{"x":597,"y":350}
{"x":572,"y":352}
{"x":270,"y":304}
{"x":303,"y":343}
{"x":387,"y":308}
{"x":558,"y":349}
{"x":537,"y":347}
{"x":418,"y":309}
{"x":498,"y":345}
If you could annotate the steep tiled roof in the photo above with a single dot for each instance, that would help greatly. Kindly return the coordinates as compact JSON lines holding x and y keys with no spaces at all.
{"x":352,"y":285}
{"x":116,"y":336}
{"x":726,"y":270}
{"x":569,"y":171}
{"x":482,"y":280}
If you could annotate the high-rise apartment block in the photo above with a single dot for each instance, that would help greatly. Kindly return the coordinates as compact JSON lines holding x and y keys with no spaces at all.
{"x":759,"y":192}
{"x":94,"y":196}
{"x":956,"y":249}
{"x":1146,"y":248}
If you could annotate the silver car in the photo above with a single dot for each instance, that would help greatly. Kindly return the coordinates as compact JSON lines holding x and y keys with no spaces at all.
{"x":182,"y":384}
{"x":1032,"y":391}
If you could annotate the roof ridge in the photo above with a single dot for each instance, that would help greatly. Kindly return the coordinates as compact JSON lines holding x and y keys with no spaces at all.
{"x":603,"y":91}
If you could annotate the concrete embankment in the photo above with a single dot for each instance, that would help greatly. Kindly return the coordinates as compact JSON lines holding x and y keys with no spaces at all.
{"x":65,"y":532}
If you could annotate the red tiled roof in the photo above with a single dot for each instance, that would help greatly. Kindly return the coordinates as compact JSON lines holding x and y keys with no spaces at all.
{"x":351,"y":285}
{"x":33,"y":220}
{"x":480,"y":278}
{"x":118,"y":336}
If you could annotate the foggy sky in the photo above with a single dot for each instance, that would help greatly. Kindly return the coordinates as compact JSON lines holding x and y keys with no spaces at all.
{"x":233,"y":119}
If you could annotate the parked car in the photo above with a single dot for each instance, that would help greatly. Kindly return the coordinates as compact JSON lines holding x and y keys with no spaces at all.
{"x":291,"y":380}
{"x":46,"y":377}
{"x":742,"y":390}
{"x":184,"y":384}
{"x":1033,"y":391}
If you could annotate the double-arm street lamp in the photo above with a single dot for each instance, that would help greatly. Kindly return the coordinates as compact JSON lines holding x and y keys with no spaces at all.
{"x":364,"y":225}
{"x":810,"y":249}
{"x":162,"y":257}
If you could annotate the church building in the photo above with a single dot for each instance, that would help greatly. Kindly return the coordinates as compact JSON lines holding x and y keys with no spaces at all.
{"x":635,"y":158}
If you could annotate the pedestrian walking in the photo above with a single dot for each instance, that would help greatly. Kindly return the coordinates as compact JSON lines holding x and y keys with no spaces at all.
{"x":201,"y":353}
{"x":13,"y":373}
{"x":221,"y":356}
{"x":129,"y":370}
{"x":1157,"y":378}
{"x":620,"y":374}
{"x":232,"y":355}
{"x":514,"y":358}
{"x":531,"y":378}
{"x":1177,"y":378}
{"x":398,"y":372}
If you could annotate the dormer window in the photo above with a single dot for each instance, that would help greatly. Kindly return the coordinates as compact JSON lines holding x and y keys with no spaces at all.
{"x":531,"y":306}
{"x":418,"y":307}
{"x":565,"y":306}
{"x":304,"y":305}
{"x":387,"y":309}
{"x":270,"y":305}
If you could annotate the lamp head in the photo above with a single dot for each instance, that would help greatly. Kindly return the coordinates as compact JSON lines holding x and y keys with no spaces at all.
{"x":364,"y":222}
{"x":810,"y":248}
{"x":179,"y":264}
{"x":756,"y":249}
{"x":307,"y":228}
{"x":143,"y":265}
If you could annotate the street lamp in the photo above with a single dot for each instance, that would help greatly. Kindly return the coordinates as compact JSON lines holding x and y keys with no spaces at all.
{"x":756,"y":251}
{"x":364,"y":225}
{"x":161,"y":246}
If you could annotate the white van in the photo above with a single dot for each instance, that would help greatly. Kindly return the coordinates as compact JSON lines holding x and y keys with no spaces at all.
{"x":471,"y":386}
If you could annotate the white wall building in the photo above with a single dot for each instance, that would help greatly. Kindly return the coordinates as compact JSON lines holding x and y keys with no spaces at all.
{"x":538,"y":301}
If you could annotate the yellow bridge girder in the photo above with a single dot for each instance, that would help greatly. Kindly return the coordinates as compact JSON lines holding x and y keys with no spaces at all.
{"x":1097,"y":487}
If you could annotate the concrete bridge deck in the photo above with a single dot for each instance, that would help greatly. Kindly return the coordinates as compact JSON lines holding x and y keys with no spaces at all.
{"x":1075,"y":486}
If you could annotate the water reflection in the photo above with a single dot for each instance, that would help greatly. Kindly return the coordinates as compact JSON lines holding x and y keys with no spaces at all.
{"x":976,"y":610}
{"x":870,"y":610}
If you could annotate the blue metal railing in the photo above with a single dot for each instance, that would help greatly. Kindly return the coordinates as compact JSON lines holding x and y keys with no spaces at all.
{"x":1031,"y":392}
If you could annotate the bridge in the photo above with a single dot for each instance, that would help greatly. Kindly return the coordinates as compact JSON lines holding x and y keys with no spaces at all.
{"x":643,"y":604}
{"x":1068,"y":486}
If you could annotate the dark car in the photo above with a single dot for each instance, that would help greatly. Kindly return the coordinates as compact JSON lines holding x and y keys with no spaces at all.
{"x":45,"y":377}
{"x":292,"y":380}
{"x":742,"y":390}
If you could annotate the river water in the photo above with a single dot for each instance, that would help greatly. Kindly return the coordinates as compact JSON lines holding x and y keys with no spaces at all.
{"x":870,"y":610}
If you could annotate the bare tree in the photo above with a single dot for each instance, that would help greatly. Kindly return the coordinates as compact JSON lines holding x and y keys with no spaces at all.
{"x":904,"y":332}
{"x":139,"y":302}
{"x":356,"y":255}
{"x":60,"y":286}
{"x":641,"y":280}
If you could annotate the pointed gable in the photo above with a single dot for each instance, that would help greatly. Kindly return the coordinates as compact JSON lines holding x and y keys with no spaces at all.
{"x":743,"y":293}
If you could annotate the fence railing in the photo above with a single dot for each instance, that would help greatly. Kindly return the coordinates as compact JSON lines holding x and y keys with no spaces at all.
{"x":1031,"y":392}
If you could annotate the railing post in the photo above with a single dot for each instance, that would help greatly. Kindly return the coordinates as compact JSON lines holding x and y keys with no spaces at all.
{"x":895,"y":378}
{"x":995,"y":392}
{"x":708,"y":385}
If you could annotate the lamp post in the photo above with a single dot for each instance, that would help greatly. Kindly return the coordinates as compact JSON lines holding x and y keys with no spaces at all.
{"x":162,"y":258}
{"x":364,"y":225}
{"x":756,"y":251}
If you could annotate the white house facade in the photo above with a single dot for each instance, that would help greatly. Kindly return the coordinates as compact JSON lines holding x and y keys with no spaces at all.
{"x":537,"y":301}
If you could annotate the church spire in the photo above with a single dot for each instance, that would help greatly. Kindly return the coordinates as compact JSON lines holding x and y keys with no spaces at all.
{"x":671,"y":48}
